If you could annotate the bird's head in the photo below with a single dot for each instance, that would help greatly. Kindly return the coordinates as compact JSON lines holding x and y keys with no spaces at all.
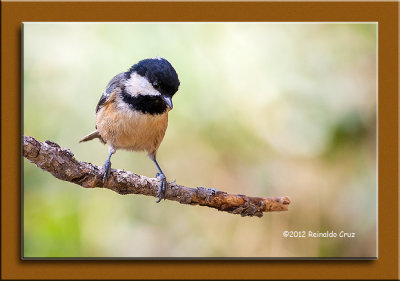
{"x":152,"y":77}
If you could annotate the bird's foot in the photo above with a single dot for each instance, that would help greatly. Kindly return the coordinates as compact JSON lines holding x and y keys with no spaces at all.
{"x":162,"y":188}
{"x":107,"y":170}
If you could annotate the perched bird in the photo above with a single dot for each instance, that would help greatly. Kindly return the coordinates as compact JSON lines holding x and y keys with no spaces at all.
{"x":132,"y":113}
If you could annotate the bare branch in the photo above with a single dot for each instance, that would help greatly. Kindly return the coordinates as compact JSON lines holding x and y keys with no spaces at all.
{"x":61,"y":163}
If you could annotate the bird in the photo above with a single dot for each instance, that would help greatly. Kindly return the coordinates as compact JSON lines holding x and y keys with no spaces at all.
{"x":132,"y":113}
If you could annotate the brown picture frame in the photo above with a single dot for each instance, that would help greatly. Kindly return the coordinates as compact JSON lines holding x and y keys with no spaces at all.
{"x":385,"y":13}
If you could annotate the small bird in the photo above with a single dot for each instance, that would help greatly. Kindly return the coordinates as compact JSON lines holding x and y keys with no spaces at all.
{"x":132,"y":113}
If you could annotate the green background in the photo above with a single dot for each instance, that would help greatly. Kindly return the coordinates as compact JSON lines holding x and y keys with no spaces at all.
{"x":264,"y":109}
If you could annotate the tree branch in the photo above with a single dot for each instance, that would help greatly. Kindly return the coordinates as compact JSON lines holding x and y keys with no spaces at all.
{"x":61,"y":163}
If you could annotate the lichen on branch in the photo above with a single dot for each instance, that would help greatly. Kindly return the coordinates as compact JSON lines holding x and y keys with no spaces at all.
{"x":62,"y":164}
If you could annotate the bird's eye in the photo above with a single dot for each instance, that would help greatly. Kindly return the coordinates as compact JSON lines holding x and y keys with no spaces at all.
{"x":156,"y":85}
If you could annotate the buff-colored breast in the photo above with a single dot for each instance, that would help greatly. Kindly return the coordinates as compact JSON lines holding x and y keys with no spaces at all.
{"x":131,"y":130}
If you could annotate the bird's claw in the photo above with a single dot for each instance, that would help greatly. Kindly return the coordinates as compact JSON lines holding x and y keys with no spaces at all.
{"x":162,"y":188}
{"x":107,"y":170}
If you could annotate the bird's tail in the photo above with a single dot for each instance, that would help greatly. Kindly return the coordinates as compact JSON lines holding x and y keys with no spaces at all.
{"x":91,"y":136}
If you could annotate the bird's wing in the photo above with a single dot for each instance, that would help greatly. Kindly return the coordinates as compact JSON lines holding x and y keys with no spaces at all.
{"x":109,"y":93}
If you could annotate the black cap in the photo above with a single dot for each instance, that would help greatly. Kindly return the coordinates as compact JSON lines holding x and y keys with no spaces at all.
{"x":160,"y":73}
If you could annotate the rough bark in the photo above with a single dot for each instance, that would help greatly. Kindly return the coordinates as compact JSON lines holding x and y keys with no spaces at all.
{"x":61,"y":163}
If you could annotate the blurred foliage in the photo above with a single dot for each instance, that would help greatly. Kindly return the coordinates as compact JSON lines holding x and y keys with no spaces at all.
{"x":263,"y":109}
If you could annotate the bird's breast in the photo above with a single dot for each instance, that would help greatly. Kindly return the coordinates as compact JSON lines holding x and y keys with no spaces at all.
{"x":124,"y":128}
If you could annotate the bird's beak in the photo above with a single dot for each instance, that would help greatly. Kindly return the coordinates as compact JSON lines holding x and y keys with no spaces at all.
{"x":168,"y":101}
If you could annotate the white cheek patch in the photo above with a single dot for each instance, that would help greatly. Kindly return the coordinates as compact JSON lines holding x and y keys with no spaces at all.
{"x":138,"y":85}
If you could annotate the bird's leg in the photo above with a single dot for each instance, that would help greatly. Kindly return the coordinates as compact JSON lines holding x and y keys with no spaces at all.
{"x":163,"y":181}
{"x":107,"y":164}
